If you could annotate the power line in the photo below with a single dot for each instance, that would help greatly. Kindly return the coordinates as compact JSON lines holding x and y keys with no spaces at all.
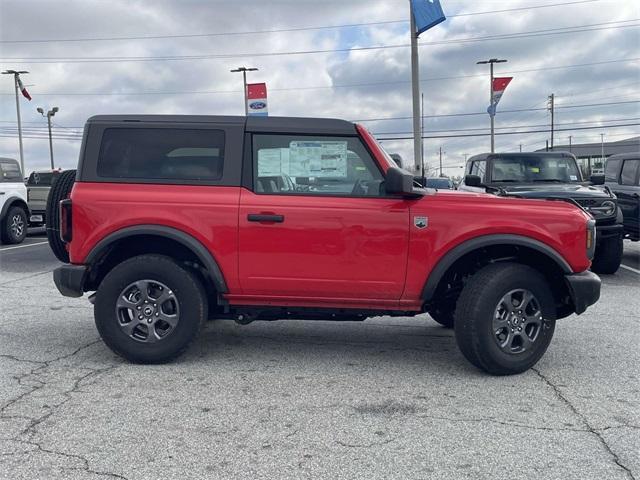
{"x":535,"y":33}
{"x":513,"y":126}
{"x":502,"y":111}
{"x":351,"y":85}
{"x":293,"y":29}
{"x":511,"y":133}
{"x":43,"y":129}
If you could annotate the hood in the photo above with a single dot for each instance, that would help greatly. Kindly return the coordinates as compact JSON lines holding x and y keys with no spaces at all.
{"x":558,"y":190}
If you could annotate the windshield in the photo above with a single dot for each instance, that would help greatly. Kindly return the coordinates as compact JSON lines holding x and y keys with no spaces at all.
{"x":41,"y":179}
{"x":438,"y":183}
{"x":534,"y":168}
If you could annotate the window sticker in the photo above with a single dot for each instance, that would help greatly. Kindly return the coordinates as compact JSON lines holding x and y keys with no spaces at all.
{"x":272,"y":163}
{"x":573,"y":177}
{"x":535,"y":169}
{"x":318,"y":158}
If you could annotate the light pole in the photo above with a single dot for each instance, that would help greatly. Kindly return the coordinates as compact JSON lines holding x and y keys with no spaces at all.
{"x":244,"y":71}
{"x":16,"y":81}
{"x":49,"y":114}
{"x":491,"y":61}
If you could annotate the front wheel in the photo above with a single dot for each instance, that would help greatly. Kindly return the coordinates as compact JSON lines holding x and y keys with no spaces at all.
{"x":14,"y":226}
{"x":505,"y":318}
{"x":608,"y":255}
{"x":149,"y":309}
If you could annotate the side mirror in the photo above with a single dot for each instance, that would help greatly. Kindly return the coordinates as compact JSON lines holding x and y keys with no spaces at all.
{"x":472,"y":181}
{"x":399,"y":182}
{"x":597,"y":179}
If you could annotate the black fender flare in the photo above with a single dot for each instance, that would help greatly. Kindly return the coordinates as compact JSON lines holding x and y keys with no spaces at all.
{"x":193,"y":244}
{"x":12,"y":201}
{"x":468,"y":246}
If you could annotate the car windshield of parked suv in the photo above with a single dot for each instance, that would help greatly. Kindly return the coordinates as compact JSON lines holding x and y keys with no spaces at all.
{"x":10,"y":172}
{"x":438,"y":183}
{"x":41,"y":179}
{"x":534,"y":168}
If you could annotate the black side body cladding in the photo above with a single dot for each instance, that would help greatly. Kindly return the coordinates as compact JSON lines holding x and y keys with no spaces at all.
{"x":187,"y":240}
{"x":485,"y":241}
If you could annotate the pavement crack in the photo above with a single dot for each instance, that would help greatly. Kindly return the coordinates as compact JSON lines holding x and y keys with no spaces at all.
{"x":366,"y":445}
{"x":585,"y":422}
{"x":86,"y":466}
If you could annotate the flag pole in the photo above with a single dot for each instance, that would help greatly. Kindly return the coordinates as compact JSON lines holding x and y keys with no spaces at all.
{"x":415,"y":87}
{"x":16,"y":84}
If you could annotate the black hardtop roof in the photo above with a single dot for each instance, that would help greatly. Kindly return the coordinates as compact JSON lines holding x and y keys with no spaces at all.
{"x":330,"y":126}
{"x":624,"y":156}
{"x":485,"y":156}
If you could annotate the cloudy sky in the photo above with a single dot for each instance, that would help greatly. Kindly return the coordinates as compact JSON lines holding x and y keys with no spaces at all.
{"x":93,"y":57}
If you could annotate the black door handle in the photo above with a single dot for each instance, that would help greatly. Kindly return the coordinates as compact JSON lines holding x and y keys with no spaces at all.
{"x":255,"y":217}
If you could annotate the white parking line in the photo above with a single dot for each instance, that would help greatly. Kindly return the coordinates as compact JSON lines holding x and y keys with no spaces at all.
{"x":22,"y":246}
{"x":634,"y":270}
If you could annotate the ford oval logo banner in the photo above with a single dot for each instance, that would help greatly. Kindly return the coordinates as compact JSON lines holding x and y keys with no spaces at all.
{"x":257,"y":99}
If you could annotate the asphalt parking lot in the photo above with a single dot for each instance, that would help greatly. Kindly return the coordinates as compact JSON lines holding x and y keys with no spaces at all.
{"x":387,"y":398}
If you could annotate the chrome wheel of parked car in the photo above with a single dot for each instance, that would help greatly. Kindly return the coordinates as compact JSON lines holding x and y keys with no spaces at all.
{"x":517,"y":321}
{"x":147,"y":311}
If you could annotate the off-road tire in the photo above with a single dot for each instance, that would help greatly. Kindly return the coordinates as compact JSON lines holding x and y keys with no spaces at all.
{"x":11,"y":233}
{"x":60,"y":190}
{"x":476,"y":309}
{"x":183,"y":284}
{"x":608,"y":255}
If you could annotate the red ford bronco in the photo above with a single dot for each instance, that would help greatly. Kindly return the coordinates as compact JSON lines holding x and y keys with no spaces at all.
{"x":173,"y":220}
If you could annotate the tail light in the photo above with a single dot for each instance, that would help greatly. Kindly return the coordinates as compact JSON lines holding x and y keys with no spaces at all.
{"x":66,"y":233}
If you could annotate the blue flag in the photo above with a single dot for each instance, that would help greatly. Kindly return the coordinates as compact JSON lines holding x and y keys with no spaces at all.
{"x":427,"y":14}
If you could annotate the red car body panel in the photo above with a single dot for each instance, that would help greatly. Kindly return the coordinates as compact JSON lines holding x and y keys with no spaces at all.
{"x":334,"y":252}
{"x":208,"y":214}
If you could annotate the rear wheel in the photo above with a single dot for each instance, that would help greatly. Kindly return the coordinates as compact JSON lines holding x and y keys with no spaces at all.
{"x":505,"y":318}
{"x":60,"y":190}
{"x":608,"y":255}
{"x":14,"y":225}
{"x":149,"y":309}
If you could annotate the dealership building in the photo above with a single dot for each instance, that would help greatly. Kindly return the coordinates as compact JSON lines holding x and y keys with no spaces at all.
{"x":591,"y":156}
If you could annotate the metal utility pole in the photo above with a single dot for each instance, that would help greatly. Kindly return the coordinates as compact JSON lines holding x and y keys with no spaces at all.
{"x":440,"y":161}
{"x":422,"y":174}
{"x":520,"y":148}
{"x":491,"y":61}
{"x":550,"y":106}
{"x":49,"y":114}
{"x":602,"y":146}
{"x":415,"y":89}
{"x":244,"y":71}
{"x":16,"y":74}
{"x":569,"y":143}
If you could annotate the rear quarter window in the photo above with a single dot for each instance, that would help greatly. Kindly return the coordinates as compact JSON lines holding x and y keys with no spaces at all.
{"x":629,"y":174}
{"x":611,"y":170}
{"x":162,"y":154}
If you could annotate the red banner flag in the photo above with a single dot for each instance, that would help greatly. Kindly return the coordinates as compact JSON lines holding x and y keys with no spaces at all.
{"x":257,"y":99}
{"x":499,"y":86}
{"x":22,"y":88}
